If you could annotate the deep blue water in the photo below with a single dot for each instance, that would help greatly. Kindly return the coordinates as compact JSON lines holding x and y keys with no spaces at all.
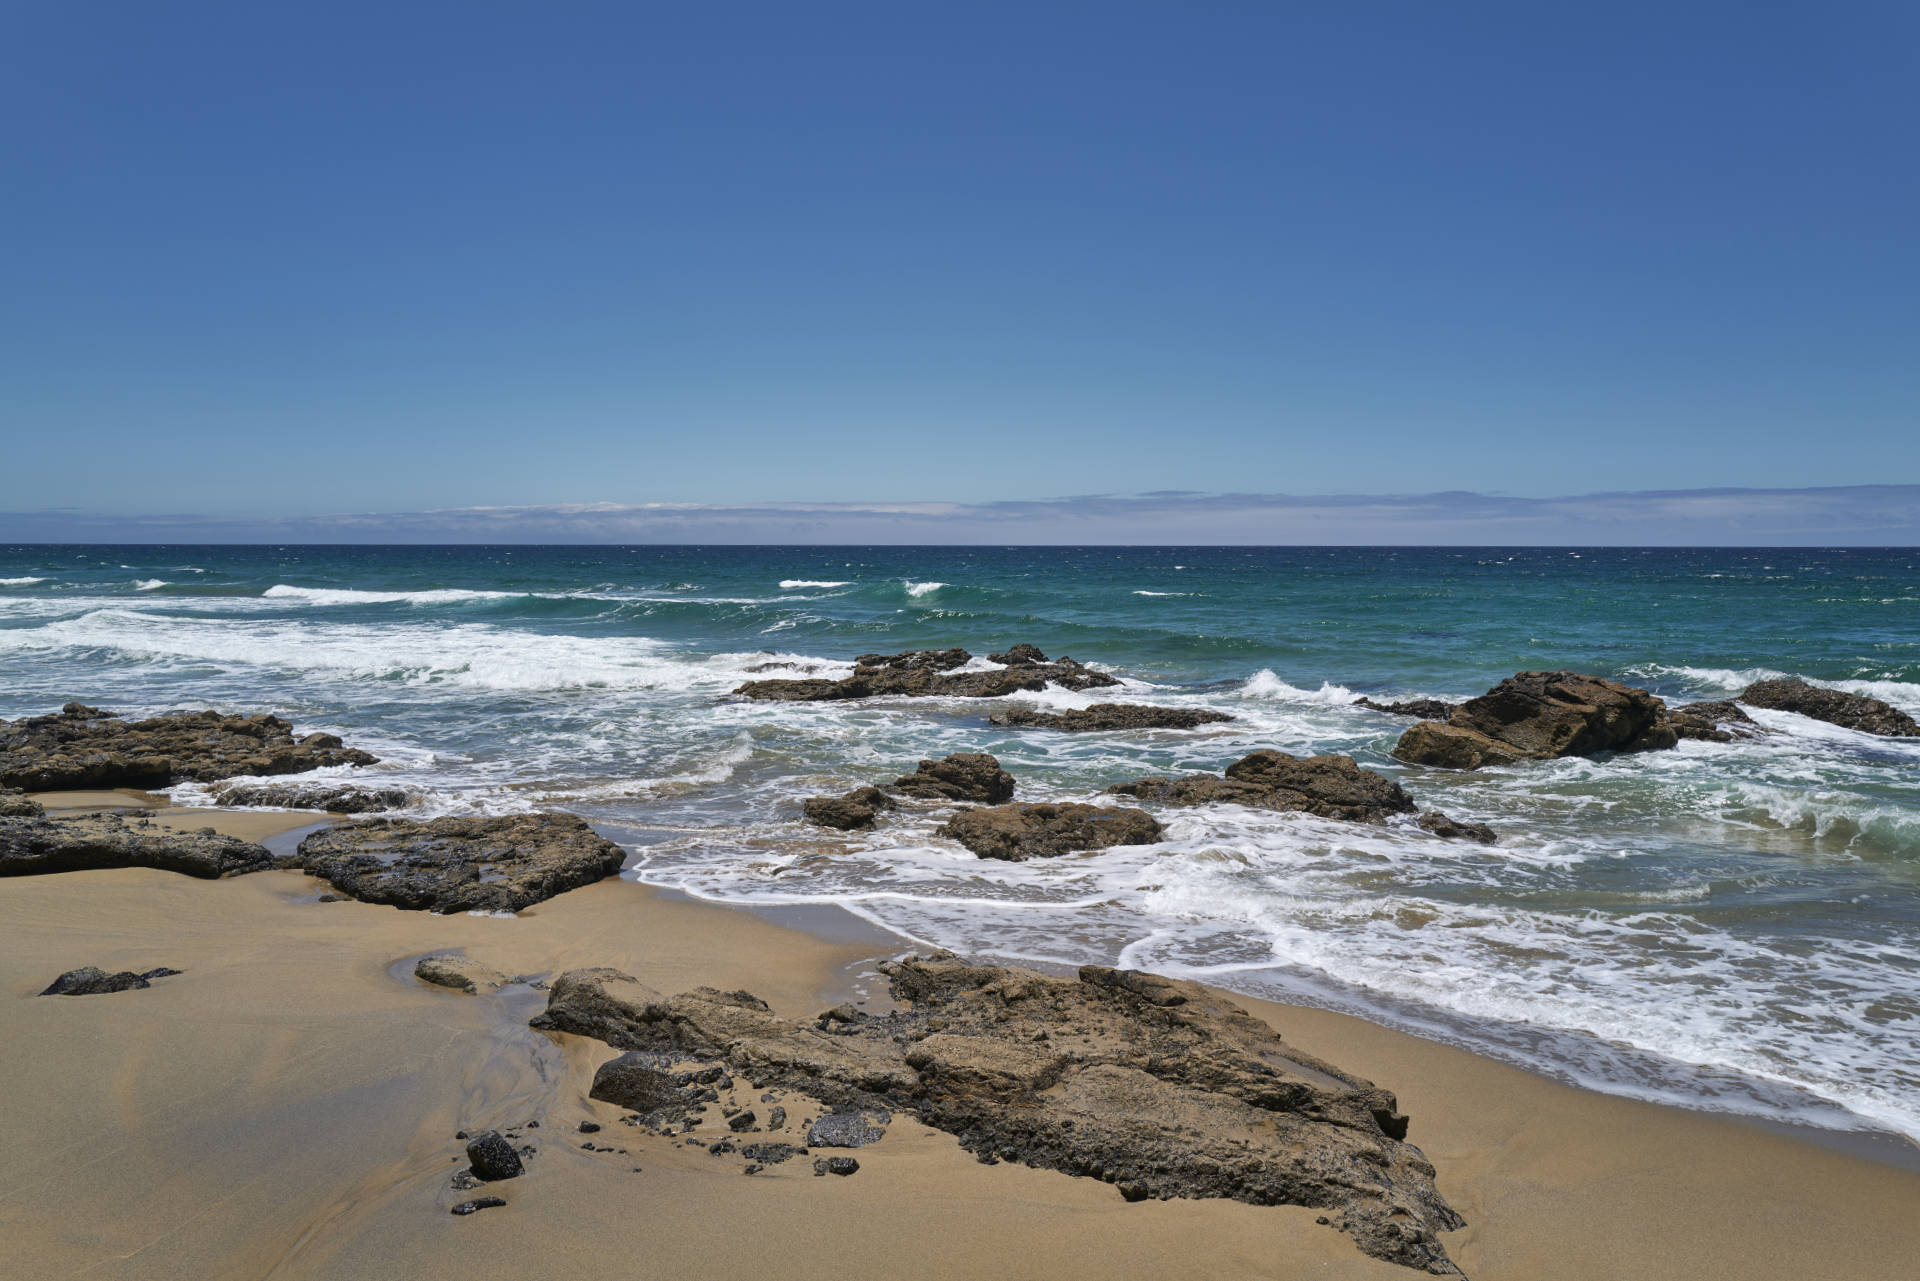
{"x":1734,"y":926}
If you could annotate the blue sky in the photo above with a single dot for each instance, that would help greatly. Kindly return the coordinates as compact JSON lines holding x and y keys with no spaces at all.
{"x":293,"y":261}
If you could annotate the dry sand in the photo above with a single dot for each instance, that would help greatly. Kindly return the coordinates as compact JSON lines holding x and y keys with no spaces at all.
{"x":287,"y":1106}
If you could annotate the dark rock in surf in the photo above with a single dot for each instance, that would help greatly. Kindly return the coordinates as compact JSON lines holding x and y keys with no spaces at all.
{"x":1836,"y":707}
{"x":1105,"y":716}
{"x":333,"y":798}
{"x":1015,"y":833}
{"x":849,"y":812}
{"x":1440,"y":825}
{"x":1021,"y":655}
{"x":963,"y":776}
{"x":37,"y":846}
{"x":500,"y":864}
{"x":1327,"y":786}
{"x":1540,"y":716}
{"x":1713,"y":722}
{"x":929,"y":674}
{"x":84,"y":747}
{"x":1426,"y":709}
{"x":493,"y":1158}
{"x":917,"y":660}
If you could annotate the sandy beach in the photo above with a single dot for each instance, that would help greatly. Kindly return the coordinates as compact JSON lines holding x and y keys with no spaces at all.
{"x":287,"y":1107}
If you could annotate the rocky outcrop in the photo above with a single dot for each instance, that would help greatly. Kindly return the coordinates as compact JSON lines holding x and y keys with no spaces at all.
{"x":1329,"y":786}
{"x":91,"y":980}
{"x":849,"y":812}
{"x":1426,"y":709}
{"x":1021,"y":655}
{"x":1539,"y":716}
{"x":1454,"y":830}
{"x":460,"y":974}
{"x":334,"y":798}
{"x":1016,"y":833}
{"x":963,"y":776}
{"x":498,"y":864}
{"x":1834,"y":706}
{"x":1713,"y":722}
{"x":1103,"y":716}
{"x":36,"y":846}
{"x":15,"y":803}
{"x":929,"y":674}
{"x":84,"y":747}
{"x":1162,"y":1088}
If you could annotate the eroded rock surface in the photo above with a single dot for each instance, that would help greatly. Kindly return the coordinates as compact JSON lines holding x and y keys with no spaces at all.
{"x":334,"y":798}
{"x":1426,"y":709}
{"x":1104,"y":716}
{"x":37,"y":846}
{"x":459,"y":973}
{"x":1454,"y":830}
{"x":493,"y":1157}
{"x":1834,"y":706}
{"x":929,"y":673}
{"x":500,"y":864}
{"x":1329,"y":786}
{"x":1016,"y":833}
{"x":963,"y":776}
{"x":15,"y":803}
{"x":91,"y":980}
{"x":84,"y":747}
{"x":1540,"y":716}
{"x":1159,"y":1087}
{"x":1713,"y":722}
{"x":849,"y":812}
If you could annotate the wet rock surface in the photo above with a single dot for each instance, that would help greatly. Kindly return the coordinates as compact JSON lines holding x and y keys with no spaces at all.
{"x":1328,"y":786}
{"x":1018,"y":832}
{"x":84,"y":747}
{"x":635,"y":1082}
{"x":15,"y":803}
{"x":930,"y":673}
{"x":334,"y":798}
{"x":1426,"y":709}
{"x":1541,"y":716}
{"x":963,"y":776}
{"x":91,"y":980}
{"x":476,"y":1205}
{"x":493,"y":1158}
{"x":849,"y":812}
{"x":37,"y":846}
{"x":1713,"y":722}
{"x":1834,"y":706}
{"x":1159,"y":1087}
{"x":499,"y":864}
{"x":1107,"y":716}
{"x":460,"y":974}
{"x":1453,"y":829}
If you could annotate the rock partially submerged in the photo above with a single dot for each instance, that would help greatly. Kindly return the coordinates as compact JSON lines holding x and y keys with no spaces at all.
{"x":1713,"y":722}
{"x":37,"y":846}
{"x":1426,"y":709}
{"x":848,"y":812}
{"x":963,"y":776}
{"x":500,"y":864}
{"x":460,"y":974}
{"x":15,"y":803}
{"x":1016,"y":833}
{"x":929,"y":673}
{"x":91,"y":980}
{"x":1540,"y":716}
{"x":1105,"y":716}
{"x":84,"y":747}
{"x":1328,"y":786}
{"x":334,"y":798}
{"x":1161,"y":1088}
{"x":1834,"y":706}
{"x":1454,"y":830}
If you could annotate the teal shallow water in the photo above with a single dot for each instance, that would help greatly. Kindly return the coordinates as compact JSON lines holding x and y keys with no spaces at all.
{"x":1728,"y":926}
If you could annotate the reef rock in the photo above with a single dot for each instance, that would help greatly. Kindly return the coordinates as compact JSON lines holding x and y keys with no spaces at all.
{"x":334,"y":798}
{"x":1426,"y":709}
{"x":856,"y":809}
{"x":1539,"y":716}
{"x":500,"y":864}
{"x":963,"y":776}
{"x":15,"y":803}
{"x":1834,"y":706}
{"x":1102,"y":716}
{"x":1440,"y":825}
{"x":84,"y":747}
{"x":1713,"y":722}
{"x":1159,"y":1087}
{"x":1016,"y":833}
{"x":1329,"y":786}
{"x":35,"y":846}
{"x":929,"y":673}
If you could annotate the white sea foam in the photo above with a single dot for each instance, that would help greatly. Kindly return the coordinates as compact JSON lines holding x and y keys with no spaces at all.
{"x":1146,"y":593}
{"x":1264,"y":684}
{"x":149,"y":584}
{"x":350,"y":596}
{"x":20,"y":582}
{"x":787,"y":584}
{"x":922,"y":589}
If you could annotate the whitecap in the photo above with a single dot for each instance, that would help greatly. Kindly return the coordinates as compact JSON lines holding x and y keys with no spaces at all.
{"x":149,"y":584}
{"x":921,"y":589}
{"x":789,"y":583}
{"x":1264,"y":684}
{"x":20,"y":582}
{"x":350,"y":596}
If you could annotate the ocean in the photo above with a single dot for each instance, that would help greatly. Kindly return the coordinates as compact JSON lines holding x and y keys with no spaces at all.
{"x":1725,"y":926}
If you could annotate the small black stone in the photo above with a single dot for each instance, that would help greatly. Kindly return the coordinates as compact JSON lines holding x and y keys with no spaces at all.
{"x":588,"y":1127}
{"x":493,"y":1157}
{"x":483,"y":1203}
{"x":841,"y":1165}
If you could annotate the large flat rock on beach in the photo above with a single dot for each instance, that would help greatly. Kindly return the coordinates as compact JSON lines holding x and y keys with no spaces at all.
{"x":497,"y":864}
{"x":84,"y":747}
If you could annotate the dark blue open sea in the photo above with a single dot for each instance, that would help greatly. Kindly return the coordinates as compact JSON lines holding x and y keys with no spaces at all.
{"x":1727,"y":926}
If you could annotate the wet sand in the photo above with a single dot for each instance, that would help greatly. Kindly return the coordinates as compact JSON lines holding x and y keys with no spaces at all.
{"x":287,"y":1106}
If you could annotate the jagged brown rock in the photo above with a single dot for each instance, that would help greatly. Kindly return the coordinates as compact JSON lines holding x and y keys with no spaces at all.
{"x":1103,"y":716}
{"x":15,"y":803}
{"x":1329,"y":786}
{"x":1426,"y":709}
{"x":856,"y":809}
{"x":500,"y":864}
{"x":1539,"y":716}
{"x":1453,"y":829}
{"x":1161,"y":1088}
{"x":1016,"y":833}
{"x":459,"y":973}
{"x":84,"y":747}
{"x":1021,"y":655}
{"x":91,"y":980}
{"x":334,"y":798}
{"x":929,"y":673}
{"x":1834,"y":706}
{"x":38,"y":846}
{"x":1709,"y":722}
{"x":963,"y":776}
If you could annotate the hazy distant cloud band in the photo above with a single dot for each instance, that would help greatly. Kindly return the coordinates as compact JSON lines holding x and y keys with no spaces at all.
{"x":1858,"y":514}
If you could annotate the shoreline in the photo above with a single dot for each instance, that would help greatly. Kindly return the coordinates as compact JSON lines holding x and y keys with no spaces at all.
{"x":309,"y":1016}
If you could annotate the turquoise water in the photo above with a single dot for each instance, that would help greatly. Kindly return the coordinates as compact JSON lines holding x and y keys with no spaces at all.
{"x":1729,"y":926}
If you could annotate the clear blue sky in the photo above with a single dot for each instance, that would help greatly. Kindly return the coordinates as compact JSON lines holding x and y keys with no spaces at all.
{"x":347,"y":257}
